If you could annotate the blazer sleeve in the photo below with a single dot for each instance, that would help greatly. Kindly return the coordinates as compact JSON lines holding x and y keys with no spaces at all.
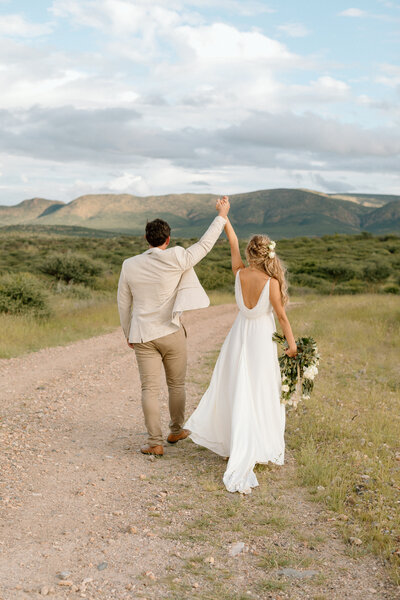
{"x":191,"y":256}
{"x":125,"y":300}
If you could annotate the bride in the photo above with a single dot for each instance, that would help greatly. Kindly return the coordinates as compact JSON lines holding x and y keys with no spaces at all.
{"x":240,"y":415}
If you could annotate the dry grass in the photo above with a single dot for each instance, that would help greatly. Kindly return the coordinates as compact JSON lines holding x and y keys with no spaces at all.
{"x":346,"y":438}
{"x":221,"y":297}
{"x":71,"y":320}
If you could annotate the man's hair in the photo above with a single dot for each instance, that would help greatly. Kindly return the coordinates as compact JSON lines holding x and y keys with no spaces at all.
{"x":157,"y":232}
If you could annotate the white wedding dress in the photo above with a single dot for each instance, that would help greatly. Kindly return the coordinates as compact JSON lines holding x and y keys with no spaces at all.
{"x":240,"y":415}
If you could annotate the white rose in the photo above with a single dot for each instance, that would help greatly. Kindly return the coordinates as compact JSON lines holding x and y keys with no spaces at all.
{"x":307,"y":374}
{"x":272,"y":245}
{"x":285,"y":388}
{"x":271,"y":254}
{"x":310,"y":372}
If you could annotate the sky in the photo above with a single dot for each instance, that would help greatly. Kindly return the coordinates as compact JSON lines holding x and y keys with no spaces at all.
{"x":207,"y":96}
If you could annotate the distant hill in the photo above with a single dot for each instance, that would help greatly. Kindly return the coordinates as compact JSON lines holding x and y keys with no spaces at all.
{"x":385,"y":219}
{"x":27,"y":211}
{"x":373,"y":200}
{"x":279,"y":212}
{"x":57,"y":230}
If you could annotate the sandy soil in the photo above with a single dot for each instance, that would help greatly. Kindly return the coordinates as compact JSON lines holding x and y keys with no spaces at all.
{"x":85,"y":515}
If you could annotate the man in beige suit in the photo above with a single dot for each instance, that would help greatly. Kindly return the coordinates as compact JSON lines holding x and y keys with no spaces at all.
{"x":154,"y":289}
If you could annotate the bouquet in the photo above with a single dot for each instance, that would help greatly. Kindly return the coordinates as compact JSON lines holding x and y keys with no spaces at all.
{"x":298,"y":373}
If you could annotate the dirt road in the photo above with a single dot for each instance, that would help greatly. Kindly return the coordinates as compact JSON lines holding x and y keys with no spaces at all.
{"x":85,"y":515}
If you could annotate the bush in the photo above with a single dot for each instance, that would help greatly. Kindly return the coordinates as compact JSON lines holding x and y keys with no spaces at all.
{"x":392,"y":288}
{"x":72,"y":268}
{"x":215,"y":278}
{"x":353,"y":286}
{"x":337,"y":271}
{"x":377,"y":271}
{"x":22,"y":293}
{"x":307,"y":280}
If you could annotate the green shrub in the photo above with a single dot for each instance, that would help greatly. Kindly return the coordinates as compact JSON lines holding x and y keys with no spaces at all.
{"x":215,"y":278}
{"x":22,"y":293}
{"x":306,"y":280}
{"x":392,"y":288}
{"x":337,"y":271}
{"x":72,"y":268}
{"x":377,"y":271}
{"x":354,"y":286}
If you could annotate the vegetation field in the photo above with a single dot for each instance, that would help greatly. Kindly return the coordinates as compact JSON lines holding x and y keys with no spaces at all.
{"x":58,"y":285}
{"x":344,"y":441}
{"x":346,"y":438}
{"x":58,"y":288}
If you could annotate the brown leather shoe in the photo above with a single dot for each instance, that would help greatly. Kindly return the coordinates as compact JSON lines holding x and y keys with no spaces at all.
{"x":157,"y":450}
{"x":175,"y":437}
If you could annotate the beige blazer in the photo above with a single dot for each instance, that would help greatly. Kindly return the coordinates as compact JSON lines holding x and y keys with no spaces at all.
{"x":157,"y":286}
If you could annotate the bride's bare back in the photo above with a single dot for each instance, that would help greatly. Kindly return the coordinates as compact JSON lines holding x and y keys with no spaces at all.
{"x":252,"y":283}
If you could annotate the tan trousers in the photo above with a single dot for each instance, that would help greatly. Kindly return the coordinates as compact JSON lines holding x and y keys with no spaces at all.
{"x":169,"y":351}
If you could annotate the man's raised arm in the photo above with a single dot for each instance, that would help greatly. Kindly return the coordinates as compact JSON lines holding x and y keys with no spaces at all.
{"x":191,"y":256}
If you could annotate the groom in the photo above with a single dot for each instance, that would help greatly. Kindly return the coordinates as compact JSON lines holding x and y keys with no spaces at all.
{"x":154,"y":289}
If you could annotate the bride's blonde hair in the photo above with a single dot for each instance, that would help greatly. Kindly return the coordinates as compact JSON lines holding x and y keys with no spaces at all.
{"x":263,"y":257}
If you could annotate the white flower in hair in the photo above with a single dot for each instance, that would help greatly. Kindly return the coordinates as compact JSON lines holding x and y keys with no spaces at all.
{"x":271,"y":254}
{"x":272,"y":245}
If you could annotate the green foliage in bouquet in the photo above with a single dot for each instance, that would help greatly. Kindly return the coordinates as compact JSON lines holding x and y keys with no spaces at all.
{"x":298,"y":373}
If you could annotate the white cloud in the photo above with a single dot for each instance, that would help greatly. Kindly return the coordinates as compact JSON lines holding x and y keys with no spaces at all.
{"x":318,"y":94}
{"x":36,"y":76}
{"x":390,"y":75}
{"x":352,"y":12}
{"x":129,"y":183}
{"x":247,"y":9}
{"x":334,"y":86}
{"x":295,"y":30}
{"x":224,"y":42}
{"x":15,"y":25}
{"x":118,"y":17}
{"x":310,"y":133}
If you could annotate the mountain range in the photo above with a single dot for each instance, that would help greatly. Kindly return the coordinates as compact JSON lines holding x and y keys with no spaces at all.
{"x":278,"y":212}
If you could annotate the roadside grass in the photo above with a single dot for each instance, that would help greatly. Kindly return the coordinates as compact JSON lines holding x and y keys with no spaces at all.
{"x":346,"y":438}
{"x":221,"y":297}
{"x":71,"y":320}
{"x":344,"y":441}
{"x":263,"y":521}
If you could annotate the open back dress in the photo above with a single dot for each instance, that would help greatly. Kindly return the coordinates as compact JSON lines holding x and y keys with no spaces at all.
{"x":240,"y":415}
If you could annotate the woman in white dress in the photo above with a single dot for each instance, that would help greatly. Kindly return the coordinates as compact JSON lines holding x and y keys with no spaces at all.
{"x":240,"y":415}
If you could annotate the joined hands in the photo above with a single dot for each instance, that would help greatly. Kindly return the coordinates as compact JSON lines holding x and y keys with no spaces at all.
{"x":223,"y":206}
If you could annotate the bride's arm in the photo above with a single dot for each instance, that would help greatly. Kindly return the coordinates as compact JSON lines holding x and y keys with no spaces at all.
{"x":276,"y":301}
{"x":237,"y":262}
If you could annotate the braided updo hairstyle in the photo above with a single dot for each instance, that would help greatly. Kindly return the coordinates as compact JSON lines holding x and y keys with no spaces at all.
{"x":258,"y":253}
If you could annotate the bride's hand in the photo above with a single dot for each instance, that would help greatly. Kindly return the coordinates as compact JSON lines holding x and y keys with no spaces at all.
{"x":291,"y":352}
{"x":223,"y":206}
